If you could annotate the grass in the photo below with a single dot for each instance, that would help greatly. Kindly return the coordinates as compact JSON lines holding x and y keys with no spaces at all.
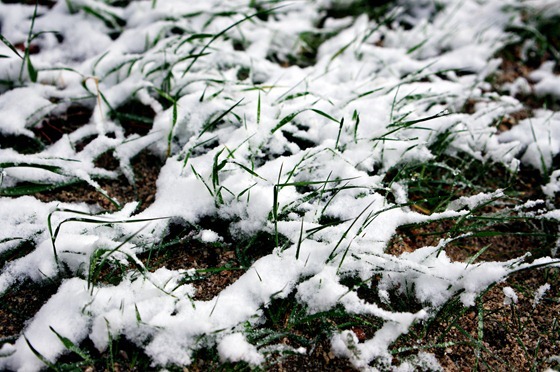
{"x":179,"y":63}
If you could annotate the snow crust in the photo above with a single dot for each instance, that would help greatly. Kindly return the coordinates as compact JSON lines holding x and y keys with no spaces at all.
{"x":366,"y":104}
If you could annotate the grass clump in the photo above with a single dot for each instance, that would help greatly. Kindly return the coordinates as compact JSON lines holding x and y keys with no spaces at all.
{"x":121,"y":354}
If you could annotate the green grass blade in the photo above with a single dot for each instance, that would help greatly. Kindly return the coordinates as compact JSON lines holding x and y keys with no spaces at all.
{"x":34,"y":188}
{"x":286,"y":120}
{"x":300,"y":239}
{"x":259,"y":109}
{"x":31,"y":69}
{"x":224,"y":31}
{"x":215,"y":122}
{"x":324,"y":114}
{"x":40,"y":356}
{"x":68,"y":344}
{"x":10,"y":45}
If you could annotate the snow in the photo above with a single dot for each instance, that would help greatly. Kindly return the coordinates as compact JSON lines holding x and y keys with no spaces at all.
{"x":546,"y":82}
{"x":510,"y":297}
{"x":235,"y":348}
{"x":423,"y":361}
{"x":538,"y":139}
{"x":539,"y":294}
{"x":553,"y":186}
{"x":19,"y":105}
{"x":58,"y":314}
{"x":377,"y":97}
{"x":209,"y":236}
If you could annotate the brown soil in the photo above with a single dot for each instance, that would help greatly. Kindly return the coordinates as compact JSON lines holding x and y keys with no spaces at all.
{"x":20,"y":304}
{"x":510,"y":120}
{"x":21,"y":144}
{"x":512,"y":67}
{"x":146,"y":170}
{"x":54,"y":126}
{"x":517,"y":337}
{"x":145,"y":166}
{"x":504,"y":241}
{"x":320,"y":358}
{"x":49,"y":130}
{"x":218,"y":264}
{"x":217,"y":267}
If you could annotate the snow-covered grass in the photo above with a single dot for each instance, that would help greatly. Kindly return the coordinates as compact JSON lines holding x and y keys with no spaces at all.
{"x":299,"y":138}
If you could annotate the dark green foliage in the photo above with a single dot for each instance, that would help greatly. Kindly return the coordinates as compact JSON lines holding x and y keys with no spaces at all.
{"x":121,"y":355}
{"x":375,"y":9}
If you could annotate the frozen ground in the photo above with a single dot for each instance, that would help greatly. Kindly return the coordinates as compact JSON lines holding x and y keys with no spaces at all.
{"x":278,"y":118}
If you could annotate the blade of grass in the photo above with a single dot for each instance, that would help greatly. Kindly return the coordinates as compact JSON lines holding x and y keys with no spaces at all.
{"x":68,"y":344}
{"x":215,"y":122}
{"x":10,"y":45}
{"x":26,"y":59}
{"x":40,"y":356}
{"x":224,"y":31}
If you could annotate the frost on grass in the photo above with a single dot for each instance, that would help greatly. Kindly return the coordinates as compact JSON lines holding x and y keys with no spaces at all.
{"x":270,"y":120}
